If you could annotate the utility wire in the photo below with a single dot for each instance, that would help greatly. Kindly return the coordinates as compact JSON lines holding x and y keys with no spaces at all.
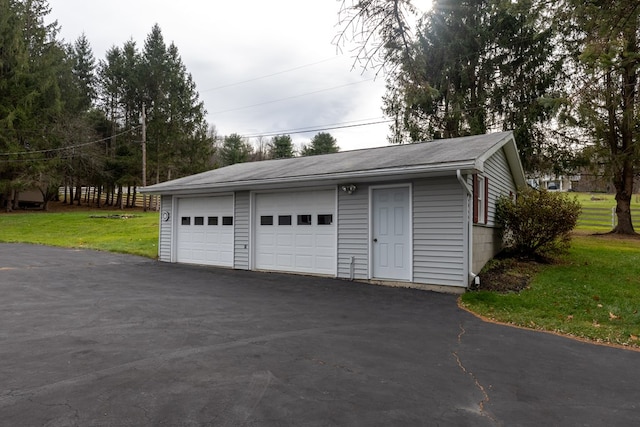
{"x":253,"y":79}
{"x":69,"y":147}
{"x":290,"y":97}
{"x":305,"y":128}
{"x":320,"y":129}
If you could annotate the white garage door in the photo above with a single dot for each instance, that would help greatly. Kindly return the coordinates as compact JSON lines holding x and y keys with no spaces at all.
{"x":205,"y":230}
{"x":296,"y":232}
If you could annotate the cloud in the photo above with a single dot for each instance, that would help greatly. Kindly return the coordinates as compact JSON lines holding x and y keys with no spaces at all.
{"x":224,"y":44}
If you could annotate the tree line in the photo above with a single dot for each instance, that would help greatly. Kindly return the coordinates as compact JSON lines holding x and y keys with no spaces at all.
{"x":564,"y":75}
{"x":69,"y":120}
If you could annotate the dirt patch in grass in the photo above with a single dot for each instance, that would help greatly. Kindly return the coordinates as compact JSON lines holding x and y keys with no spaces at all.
{"x":507,"y":275}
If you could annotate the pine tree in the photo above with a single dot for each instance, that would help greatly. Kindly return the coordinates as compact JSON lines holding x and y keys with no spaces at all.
{"x":234,"y":150}
{"x":478,"y":65}
{"x":177,"y":130}
{"x":322,"y":143}
{"x":30,"y":96}
{"x":281,"y":147}
{"x":84,"y":68}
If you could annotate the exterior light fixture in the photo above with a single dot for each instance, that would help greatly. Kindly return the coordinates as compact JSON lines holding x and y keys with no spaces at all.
{"x":348,"y":188}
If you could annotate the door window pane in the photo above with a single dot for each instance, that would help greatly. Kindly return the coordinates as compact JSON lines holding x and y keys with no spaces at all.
{"x":266,"y":220}
{"x":186,"y":220}
{"x":227,"y":220}
{"x":198,"y":220}
{"x":212,"y":220}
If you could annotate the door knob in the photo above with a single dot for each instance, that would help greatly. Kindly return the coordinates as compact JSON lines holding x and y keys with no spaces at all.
{"x":375,"y":240}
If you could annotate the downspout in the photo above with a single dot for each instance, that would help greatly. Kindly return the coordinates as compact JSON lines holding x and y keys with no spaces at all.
{"x":469,"y":192}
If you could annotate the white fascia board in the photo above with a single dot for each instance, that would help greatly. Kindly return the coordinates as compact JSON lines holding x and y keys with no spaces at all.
{"x":493,"y":150}
{"x":508,"y":143}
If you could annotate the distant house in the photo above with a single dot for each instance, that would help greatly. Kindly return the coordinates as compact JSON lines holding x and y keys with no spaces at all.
{"x":552,"y":182}
{"x":31,"y":198}
{"x":421,"y":215}
{"x":588,"y":181}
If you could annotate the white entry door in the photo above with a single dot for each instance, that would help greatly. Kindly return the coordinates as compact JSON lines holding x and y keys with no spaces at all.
{"x":391,"y":233}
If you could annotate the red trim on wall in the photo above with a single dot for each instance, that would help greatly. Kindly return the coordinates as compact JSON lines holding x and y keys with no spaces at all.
{"x":486,"y":199}
{"x":475,"y":198}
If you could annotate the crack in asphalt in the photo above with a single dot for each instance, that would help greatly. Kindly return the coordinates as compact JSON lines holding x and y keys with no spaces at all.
{"x":485,"y":394}
{"x":462,"y":332}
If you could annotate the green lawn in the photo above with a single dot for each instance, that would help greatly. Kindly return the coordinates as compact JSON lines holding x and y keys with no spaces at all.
{"x":600,"y":205}
{"x":115,"y":231}
{"x":603,"y":200}
{"x":593,"y":292}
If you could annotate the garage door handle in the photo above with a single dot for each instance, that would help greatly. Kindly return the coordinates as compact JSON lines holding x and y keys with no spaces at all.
{"x":375,"y":240}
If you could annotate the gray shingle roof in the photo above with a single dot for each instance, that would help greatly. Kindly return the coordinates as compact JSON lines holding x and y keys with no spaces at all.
{"x":445,"y":154}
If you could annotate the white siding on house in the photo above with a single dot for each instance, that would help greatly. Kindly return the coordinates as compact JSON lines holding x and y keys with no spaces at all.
{"x":438,"y":232}
{"x":166,"y":229}
{"x":241,"y":230}
{"x":353,"y":233}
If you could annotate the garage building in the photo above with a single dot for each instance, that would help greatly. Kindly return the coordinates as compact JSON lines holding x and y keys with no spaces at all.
{"x":421,"y":215}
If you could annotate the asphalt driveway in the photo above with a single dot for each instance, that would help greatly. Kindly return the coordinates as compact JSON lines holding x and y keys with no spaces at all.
{"x":98,"y":339}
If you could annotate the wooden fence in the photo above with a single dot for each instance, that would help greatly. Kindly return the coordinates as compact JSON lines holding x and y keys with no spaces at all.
{"x":598,"y":217}
{"x":89,"y":196}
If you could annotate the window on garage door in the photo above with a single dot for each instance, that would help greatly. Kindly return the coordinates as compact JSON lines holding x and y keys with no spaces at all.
{"x":304,"y":219}
{"x":325,"y":219}
{"x":284,"y":219}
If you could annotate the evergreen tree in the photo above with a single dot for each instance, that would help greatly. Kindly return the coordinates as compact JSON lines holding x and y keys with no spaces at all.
{"x":281,"y":147}
{"x":478,"y":65}
{"x":13,"y":59}
{"x":177,"y":130}
{"x":84,"y":68}
{"x":234,"y":150}
{"x":119,"y":104}
{"x":322,"y":143}
{"x":31,"y":105}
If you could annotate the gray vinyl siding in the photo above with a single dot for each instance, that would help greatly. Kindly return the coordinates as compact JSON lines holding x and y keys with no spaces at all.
{"x":166,"y":229}
{"x":241,"y":231}
{"x":438,"y":232}
{"x":486,"y":238}
{"x":500,"y":182}
{"x":353,"y":233}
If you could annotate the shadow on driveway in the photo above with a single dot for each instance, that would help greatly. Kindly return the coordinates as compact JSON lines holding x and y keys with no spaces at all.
{"x":91,"y":338}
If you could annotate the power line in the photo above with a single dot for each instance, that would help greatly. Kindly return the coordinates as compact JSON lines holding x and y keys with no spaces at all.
{"x":290,"y":97}
{"x":318,"y":129}
{"x":304,"y":128}
{"x":253,"y":79}
{"x":69,"y":147}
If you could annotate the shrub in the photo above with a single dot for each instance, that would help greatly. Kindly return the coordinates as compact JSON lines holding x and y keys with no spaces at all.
{"x":537,"y":223}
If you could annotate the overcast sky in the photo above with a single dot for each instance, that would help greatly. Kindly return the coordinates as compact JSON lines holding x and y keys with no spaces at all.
{"x":261,"y":67}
